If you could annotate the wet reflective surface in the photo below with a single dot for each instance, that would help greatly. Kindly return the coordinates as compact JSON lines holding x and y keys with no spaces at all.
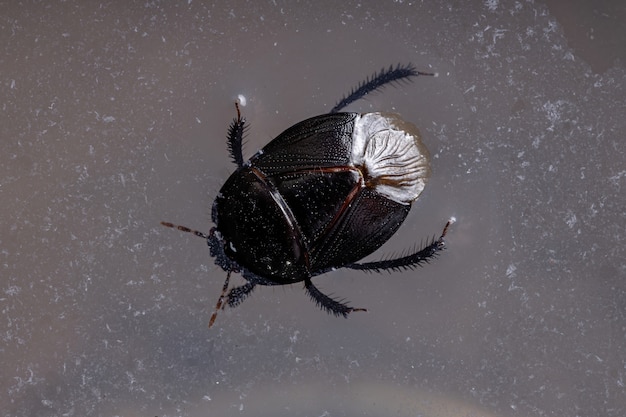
{"x":114,"y":118}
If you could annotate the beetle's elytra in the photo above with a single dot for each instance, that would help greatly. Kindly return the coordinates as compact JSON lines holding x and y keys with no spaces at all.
{"x":324,"y":194}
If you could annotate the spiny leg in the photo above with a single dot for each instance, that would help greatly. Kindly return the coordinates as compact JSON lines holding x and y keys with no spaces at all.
{"x":410,"y":261}
{"x":236,"y":131}
{"x":401,"y":73}
{"x":326,"y":303}
{"x":237,"y":295}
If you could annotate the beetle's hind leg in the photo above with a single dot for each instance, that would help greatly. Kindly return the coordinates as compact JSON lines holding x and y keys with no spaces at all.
{"x":326,"y":303}
{"x":411,"y":261}
{"x":236,"y":131}
{"x":400,"y":73}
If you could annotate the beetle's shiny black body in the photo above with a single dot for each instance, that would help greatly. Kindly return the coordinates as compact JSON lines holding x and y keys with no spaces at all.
{"x":324,"y":194}
{"x":297,"y":209}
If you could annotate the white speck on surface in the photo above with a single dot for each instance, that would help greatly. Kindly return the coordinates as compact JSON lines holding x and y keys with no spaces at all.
{"x":492,"y":5}
{"x":570,"y":219}
{"x":510,"y":271}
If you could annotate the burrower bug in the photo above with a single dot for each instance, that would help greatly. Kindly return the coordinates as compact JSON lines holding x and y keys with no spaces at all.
{"x":324,"y":194}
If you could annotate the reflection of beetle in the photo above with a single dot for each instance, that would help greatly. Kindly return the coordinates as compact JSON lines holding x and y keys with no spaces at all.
{"x":324,"y":194}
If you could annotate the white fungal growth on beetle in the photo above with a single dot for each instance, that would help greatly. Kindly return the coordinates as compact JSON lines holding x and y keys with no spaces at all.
{"x":391,"y":156}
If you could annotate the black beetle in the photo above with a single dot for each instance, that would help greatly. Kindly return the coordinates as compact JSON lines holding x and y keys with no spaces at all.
{"x":324,"y":194}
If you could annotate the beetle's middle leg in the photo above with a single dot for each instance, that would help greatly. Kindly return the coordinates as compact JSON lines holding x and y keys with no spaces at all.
{"x":326,"y":303}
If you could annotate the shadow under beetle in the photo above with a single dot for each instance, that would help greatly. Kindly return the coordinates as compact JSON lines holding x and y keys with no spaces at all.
{"x":324,"y":194}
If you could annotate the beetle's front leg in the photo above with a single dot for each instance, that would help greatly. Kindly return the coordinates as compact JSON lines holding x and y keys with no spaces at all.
{"x":238,"y":294}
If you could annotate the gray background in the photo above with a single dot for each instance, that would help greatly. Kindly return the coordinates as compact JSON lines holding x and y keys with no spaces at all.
{"x":113,"y":118}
